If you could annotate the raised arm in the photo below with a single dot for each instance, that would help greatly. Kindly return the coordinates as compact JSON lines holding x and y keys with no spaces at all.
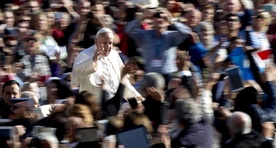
{"x":133,"y":29}
{"x":84,"y":65}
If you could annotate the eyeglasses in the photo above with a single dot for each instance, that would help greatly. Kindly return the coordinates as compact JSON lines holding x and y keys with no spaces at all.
{"x":31,"y":40}
{"x":159,"y":15}
{"x":233,"y":20}
{"x":259,"y":17}
{"x":21,"y":21}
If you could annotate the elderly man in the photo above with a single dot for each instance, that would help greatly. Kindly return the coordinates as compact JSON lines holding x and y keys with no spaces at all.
{"x":100,"y":63}
{"x":191,"y":132}
{"x":240,"y":125}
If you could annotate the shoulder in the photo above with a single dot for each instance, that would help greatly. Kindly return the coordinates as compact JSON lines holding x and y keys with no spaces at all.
{"x":87,"y":51}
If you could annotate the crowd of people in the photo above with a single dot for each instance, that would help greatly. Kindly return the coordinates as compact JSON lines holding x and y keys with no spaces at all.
{"x":79,"y":73}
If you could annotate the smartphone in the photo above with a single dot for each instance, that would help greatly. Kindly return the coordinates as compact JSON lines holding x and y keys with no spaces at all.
{"x":28,"y":106}
{"x":235,"y":79}
{"x":7,"y":132}
{"x":87,"y":135}
{"x":59,"y":101}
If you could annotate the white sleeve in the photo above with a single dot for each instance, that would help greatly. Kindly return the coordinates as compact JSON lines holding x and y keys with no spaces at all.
{"x":83,"y":66}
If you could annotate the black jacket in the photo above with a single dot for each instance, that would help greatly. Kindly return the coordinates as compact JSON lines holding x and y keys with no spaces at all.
{"x":251,"y":140}
{"x":194,"y":136}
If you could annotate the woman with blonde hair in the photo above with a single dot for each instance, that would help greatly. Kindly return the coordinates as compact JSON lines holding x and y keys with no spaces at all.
{"x":83,"y":112}
{"x":88,"y":99}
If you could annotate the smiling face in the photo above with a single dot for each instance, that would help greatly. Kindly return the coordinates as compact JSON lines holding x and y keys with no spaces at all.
{"x":105,"y":41}
{"x":193,"y":18}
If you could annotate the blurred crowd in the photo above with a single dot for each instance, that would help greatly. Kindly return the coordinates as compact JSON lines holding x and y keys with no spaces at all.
{"x":174,"y":55}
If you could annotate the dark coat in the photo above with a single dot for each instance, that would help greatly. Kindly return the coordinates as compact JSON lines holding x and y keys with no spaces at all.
{"x":251,"y":140}
{"x":198,"y":135}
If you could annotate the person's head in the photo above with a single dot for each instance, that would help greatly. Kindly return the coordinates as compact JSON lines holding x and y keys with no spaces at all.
{"x":239,"y":123}
{"x":233,"y":6}
{"x":207,"y":33}
{"x":10,"y":89}
{"x":32,"y":6}
{"x":51,"y":18}
{"x":23,"y":23}
{"x":126,"y":10}
{"x":64,"y":20}
{"x":87,"y":98}
{"x":74,"y":123}
{"x":83,"y":112}
{"x":57,"y":89}
{"x":83,"y":7}
{"x":153,"y":79}
{"x":47,"y":140}
{"x":220,"y":24}
{"x":10,"y":41}
{"x":105,"y":38}
{"x":9,"y":18}
{"x":32,"y":43}
{"x":193,"y":17}
{"x":35,"y":102}
{"x":134,"y":119}
{"x":39,"y":22}
{"x":208,"y":12}
{"x":235,"y":42}
{"x":160,"y":20}
{"x":261,"y":21}
{"x":233,"y":22}
{"x":248,"y":95}
{"x":97,"y":8}
{"x":187,"y":112}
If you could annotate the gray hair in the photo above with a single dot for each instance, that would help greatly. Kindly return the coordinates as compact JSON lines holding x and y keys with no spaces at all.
{"x":239,"y":123}
{"x":188,"y":112}
{"x":153,"y":79}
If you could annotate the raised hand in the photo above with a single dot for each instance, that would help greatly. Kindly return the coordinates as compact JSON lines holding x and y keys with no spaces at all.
{"x":154,"y":93}
{"x":183,"y":60}
{"x":129,"y":68}
{"x":98,"y":53}
{"x":269,"y":74}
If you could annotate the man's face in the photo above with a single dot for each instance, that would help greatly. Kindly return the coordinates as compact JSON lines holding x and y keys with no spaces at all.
{"x":98,"y":9}
{"x":11,"y":91}
{"x":233,"y":23}
{"x":33,"y":6}
{"x":84,"y":8}
{"x":193,"y":19}
{"x":105,"y":41}
{"x":233,"y":6}
{"x":9,"y":19}
{"x":160,"y":21}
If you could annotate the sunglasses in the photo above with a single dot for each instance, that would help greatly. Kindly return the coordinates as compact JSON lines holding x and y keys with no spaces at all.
{"x":21,"y":21}
{"x":259,"y":17}
{"x":159,"y":15}
{"x":233,"y":20}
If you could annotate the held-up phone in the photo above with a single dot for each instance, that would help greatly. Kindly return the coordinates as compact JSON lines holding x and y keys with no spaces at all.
{"x":235,"y":79}
{"x":87,"y":135}
{"x":7,"y":132}
{"x":29,"y":102}
{"x":133,"y":138}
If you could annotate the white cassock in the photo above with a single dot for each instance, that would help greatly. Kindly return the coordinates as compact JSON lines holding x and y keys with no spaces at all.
{"x":89,"y":75}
